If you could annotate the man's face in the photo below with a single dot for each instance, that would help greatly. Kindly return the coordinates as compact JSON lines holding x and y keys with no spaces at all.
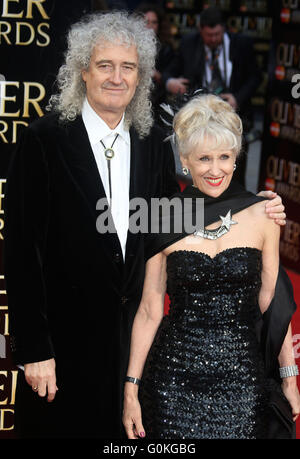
{"x":212,"y":36}
{"x":112,"y":78}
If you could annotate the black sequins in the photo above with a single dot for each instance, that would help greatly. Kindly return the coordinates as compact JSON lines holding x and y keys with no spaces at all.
{"x":204,"y":375}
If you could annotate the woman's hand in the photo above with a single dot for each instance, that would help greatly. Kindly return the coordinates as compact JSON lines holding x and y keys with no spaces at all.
{"x":291,"y":392}
{"x":274,"y":207}
{"x":132,"y":418}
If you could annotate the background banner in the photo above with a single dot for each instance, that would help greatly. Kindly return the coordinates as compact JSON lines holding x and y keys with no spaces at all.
{"x":32,"y":41}
{"x":280,"y":159}
{"x":280,"y":155}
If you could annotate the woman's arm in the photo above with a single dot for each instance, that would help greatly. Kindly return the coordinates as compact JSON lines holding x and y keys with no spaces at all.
{"x":270,"y":262}
{"x":145,"y":325}
{"x":289,"y":385}
{"x":270,"y":259}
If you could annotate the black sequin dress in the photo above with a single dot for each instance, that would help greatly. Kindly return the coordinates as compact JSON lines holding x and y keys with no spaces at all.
{"x":204,"y":375}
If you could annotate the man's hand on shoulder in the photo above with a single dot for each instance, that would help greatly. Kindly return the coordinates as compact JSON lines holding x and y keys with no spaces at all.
{"x":274,"y":207}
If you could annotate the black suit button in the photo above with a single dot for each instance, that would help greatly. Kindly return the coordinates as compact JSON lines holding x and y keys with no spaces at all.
{"x":124,"y":299}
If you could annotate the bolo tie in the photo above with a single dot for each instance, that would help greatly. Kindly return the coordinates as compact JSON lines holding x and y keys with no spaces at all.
{"x":109,"y":154}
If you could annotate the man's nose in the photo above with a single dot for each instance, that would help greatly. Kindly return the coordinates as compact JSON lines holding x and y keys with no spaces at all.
{"x":116,"y":75}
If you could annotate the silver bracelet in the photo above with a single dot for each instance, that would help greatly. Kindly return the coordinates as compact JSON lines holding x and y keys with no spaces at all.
{"x":291,"y":370}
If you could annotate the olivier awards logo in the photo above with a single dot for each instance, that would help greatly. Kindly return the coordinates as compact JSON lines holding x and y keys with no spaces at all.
{"x":24,"y":23}
{"x":287,"y":62}
{"x":289,"y":243}
{"x":290,"y":12}
{"x":8,"y":378}
{"x":285,"y":120}
{"x":2,"y":185}
{"x":283,"y":176}
{"x":31,"y":93}
{"x":25,"y":26}
{"x":252,"y":25}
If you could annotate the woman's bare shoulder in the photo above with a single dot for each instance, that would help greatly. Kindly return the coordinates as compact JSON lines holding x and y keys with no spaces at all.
{"x":257,"y":214}
{"x":255,"y":211}
{"x":262,"y":219}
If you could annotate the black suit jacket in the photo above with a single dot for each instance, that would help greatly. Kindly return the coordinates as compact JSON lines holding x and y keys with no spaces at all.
{"x":189,"y":62}
{"x":70,"y":295}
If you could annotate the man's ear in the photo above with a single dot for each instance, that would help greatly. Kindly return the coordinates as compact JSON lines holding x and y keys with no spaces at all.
{"x":83,"y":74}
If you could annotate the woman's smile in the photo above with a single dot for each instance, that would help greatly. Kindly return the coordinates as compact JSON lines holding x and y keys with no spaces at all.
{"x":214,"y":181}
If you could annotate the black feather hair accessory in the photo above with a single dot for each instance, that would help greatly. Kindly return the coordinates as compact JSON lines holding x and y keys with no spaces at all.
{"x":169,"y":110}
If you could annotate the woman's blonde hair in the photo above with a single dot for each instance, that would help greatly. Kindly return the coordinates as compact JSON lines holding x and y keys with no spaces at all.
{"x":208,"y":120}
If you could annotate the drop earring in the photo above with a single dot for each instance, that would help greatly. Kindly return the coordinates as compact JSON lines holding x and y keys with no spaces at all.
{"x":234,"y":167}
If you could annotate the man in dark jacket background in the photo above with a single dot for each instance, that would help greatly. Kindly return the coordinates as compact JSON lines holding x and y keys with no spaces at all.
{"x":221,"y":62}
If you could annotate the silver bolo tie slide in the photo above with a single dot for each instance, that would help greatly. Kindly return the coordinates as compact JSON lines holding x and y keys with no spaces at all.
{"x":109,"y":154}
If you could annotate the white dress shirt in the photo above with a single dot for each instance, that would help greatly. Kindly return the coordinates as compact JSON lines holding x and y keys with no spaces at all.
{"x":98,"y":130}
{"x":207,"y":74}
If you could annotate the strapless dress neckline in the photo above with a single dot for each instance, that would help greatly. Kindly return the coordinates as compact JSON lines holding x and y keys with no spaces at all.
{"x":222,"y":252}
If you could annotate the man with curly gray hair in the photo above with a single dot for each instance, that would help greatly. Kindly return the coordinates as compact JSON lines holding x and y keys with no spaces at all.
{"x":72,"y":332}
{"x":86,"y":39}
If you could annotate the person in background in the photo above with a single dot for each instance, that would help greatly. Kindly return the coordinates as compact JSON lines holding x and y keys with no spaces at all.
{"x":221,"y":62}
{"x":157,"y":21}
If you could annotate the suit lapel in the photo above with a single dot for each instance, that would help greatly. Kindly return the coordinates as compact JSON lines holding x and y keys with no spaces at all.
{"x":83,"y":166}
{"x":137,"y":189}
{"x":137,"y":170}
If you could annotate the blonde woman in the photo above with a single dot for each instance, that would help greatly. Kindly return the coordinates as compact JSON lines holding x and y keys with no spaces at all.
{"x":206,"y":371}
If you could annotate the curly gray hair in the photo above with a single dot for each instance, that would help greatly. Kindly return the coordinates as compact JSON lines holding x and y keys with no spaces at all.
{"x":83,"y":36}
